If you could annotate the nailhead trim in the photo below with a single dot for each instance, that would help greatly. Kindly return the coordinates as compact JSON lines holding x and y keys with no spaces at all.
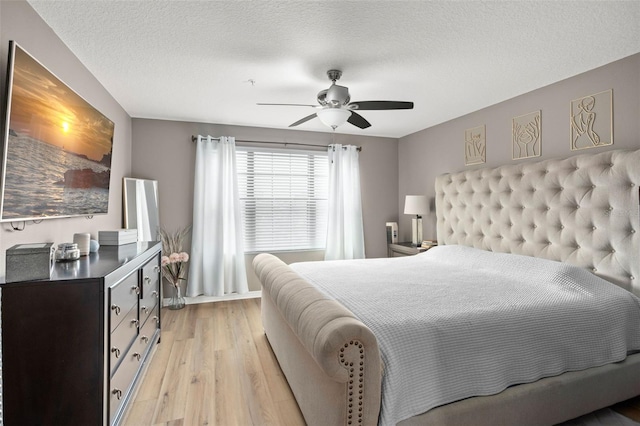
{"x":349,"y":365}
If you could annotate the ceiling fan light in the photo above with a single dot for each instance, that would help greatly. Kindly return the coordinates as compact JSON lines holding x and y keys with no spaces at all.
{"x":333,"y":117}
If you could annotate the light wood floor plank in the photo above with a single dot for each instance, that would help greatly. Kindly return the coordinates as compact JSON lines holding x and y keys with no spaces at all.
{"x":173,"y":393}
{"x":253,"y":380}
{"x":230,"y":402}
{"x":141,"y":412}
{"x":214,"y":366}
{"x":223,"y":333}
{"x":252,"y":312}
{"x":152,"y":382}
{"x":201,"y":403}
{"x":202,"y":359}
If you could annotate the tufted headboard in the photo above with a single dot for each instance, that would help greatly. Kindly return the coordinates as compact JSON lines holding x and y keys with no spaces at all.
{"x":583,"y":210}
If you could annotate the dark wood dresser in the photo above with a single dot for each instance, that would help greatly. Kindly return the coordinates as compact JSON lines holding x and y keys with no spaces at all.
{"x":74,"y":346}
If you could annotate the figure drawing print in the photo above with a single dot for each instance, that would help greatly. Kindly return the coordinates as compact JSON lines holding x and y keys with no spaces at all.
{"x":592,"y":121}
{"x":526,"y":141}
{"x":475,"y":146}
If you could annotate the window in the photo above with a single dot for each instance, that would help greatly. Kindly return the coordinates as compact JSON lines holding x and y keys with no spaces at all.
{"x":283,"y":197}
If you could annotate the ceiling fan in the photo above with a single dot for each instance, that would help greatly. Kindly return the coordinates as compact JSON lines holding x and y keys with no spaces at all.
{"x":335,"y":108}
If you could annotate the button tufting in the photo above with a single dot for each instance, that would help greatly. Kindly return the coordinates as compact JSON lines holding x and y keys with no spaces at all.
{"x":561,"y":226}
{"x":632,"y":277}
{"x":594,"y":228}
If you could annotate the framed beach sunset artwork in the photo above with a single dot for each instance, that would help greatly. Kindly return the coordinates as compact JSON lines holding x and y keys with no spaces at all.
{"x":57,"y":147}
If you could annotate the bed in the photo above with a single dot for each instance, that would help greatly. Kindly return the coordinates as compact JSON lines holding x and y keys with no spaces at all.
{"x":582,"y":211}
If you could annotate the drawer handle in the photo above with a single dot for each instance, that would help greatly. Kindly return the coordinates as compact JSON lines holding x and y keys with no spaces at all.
{"x":155,"y":294}
{"x":116,"y":351}
{"x":135,"y":322}
{"x":156,"y":269}
{"x":117,"y":392}
{"x":116,"y":309}
{"x":144,"y":309}
{"x":136,"y":289}
{"x":137,"y":356}
{"x":157,"y":320}
{"x":145,"y":339}
{"x":147,"y":280}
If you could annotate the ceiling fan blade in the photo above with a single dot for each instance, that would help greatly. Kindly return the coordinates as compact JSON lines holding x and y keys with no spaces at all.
{"x":304,"y":105}
{"x":358,"y":120}
{"x":380,"y":105}
{"x":303,"y":120}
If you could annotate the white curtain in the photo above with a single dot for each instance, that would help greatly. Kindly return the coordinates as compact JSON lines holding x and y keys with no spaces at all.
{"x":217,"y":264}
{"x":345,"y":235}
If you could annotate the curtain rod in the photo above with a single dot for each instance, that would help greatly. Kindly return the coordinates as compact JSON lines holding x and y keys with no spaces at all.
{"x":195,"y":138}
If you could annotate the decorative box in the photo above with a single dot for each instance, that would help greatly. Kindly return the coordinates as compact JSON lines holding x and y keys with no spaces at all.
{"x":117,"y":237}
{"x":26,"y":262}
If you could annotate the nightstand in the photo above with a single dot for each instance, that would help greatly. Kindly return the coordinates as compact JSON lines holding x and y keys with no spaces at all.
{"x":403,"y":249}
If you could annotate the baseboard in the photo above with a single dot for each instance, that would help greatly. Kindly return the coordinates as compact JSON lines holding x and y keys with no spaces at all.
{"x":211,"y":299}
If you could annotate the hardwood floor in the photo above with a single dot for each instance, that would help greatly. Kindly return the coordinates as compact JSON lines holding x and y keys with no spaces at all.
{"x":214,"y":366}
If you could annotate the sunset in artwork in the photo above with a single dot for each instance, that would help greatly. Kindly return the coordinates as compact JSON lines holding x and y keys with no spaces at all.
{"x":56,"y":158}
{"x":44,"y":108}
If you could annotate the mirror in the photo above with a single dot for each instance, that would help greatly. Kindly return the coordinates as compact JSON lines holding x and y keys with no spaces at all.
{"x":141,"y":209}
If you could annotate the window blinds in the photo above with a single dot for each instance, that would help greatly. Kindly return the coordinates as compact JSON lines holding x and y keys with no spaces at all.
{"x":283,"y":197}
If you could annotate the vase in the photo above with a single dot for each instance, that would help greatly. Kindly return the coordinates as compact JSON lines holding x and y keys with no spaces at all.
{"x":176,"y":301}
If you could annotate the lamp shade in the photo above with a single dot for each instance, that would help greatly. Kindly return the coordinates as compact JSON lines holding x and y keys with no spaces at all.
{"x":334,"y":117}
{"x":416,"y":204}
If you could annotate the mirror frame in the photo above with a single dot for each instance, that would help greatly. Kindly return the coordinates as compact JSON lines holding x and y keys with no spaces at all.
{"x":132,"y":209}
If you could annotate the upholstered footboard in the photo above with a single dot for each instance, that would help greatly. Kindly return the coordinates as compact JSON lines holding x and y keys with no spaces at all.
{"x":330,"y":358}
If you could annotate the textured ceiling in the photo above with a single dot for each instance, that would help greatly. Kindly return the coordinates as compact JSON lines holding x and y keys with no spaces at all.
{"x":195,"y":60}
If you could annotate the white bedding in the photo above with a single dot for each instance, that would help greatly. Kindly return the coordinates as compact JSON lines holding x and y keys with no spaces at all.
{"x":456,"y":322}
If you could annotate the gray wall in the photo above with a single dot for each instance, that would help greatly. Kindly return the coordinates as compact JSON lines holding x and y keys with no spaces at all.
{"x":440,"y":149}
{"x":19,"y":22}
{"x":162,"y":150}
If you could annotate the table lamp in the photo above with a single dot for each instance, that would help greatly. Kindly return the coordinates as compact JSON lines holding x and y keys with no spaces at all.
{"x":417,"y":205}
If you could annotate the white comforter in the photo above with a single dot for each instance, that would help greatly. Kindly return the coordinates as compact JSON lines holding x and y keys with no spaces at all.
{"x":456,"y":322}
